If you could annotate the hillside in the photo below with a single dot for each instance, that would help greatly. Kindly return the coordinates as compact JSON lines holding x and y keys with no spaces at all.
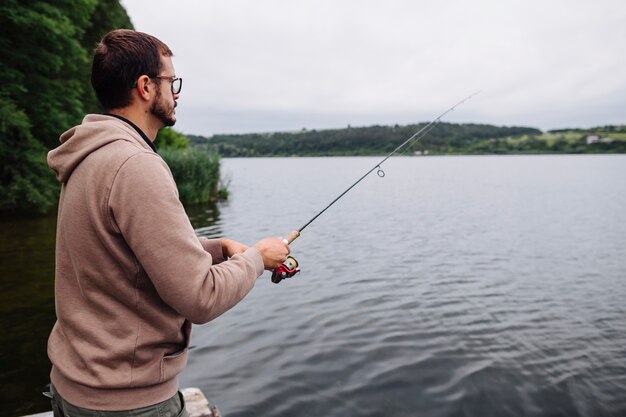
{"x":445,"y":138}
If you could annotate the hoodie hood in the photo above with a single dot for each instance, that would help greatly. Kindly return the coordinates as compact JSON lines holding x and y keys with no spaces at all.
{"x":79,"y":142}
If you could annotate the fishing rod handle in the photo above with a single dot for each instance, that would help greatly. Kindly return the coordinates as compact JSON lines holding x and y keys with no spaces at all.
{"x":292,"y":236}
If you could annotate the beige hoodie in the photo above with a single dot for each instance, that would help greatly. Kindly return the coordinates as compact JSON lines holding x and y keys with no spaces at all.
{"x":130,"y":272}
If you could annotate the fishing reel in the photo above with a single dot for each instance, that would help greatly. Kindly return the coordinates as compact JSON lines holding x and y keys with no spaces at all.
{"x":287,"y":270}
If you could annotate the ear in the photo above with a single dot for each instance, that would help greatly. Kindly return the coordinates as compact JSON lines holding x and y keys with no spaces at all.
{"x":145,"y":88}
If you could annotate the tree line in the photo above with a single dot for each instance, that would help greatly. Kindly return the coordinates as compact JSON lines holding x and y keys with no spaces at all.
{"x":444,"y":138}
{"x":371,"y":140}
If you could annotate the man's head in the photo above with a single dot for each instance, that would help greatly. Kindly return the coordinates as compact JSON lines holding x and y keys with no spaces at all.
{"x":125,"y":61}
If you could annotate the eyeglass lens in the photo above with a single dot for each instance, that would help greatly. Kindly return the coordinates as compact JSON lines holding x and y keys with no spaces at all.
{"x":177,"y":85}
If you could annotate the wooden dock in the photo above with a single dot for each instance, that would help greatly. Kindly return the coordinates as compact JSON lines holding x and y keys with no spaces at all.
{"x":196,"y":403}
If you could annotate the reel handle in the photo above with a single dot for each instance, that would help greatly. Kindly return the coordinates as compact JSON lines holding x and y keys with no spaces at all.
{"x":286,"y":270}
{"x":292,"y":236}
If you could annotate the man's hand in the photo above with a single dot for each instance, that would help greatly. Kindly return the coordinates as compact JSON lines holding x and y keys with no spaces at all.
{"x":273,"y":250}
{"x":231,"y":247}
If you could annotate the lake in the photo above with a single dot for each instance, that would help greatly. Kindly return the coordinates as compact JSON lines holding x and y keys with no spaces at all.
{"x":453,"y":286}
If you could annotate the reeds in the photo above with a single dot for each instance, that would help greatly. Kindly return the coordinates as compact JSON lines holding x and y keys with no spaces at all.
{"x":196,"y":172}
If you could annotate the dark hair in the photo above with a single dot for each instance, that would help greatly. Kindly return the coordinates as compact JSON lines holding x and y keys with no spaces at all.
{"x":121,"y":57}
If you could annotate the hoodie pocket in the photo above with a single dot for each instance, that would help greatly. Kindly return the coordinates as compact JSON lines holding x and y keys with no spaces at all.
{"x":172,"y":364}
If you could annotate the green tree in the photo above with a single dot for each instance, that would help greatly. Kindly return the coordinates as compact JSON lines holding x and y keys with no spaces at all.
{"x":26,"y":182}
{"x":170,"y":138}
{"x":45,"y":55}
{"x":44,"y":61}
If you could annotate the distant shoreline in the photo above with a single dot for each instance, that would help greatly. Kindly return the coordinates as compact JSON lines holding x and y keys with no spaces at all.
{"x":426,"y":156}
{"x":444,"y":139}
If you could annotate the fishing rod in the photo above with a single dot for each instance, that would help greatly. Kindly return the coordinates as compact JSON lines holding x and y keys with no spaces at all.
{"x":290,"y":267}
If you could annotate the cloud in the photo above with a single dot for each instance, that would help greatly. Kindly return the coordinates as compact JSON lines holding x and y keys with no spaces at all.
{"x":279,"y":65}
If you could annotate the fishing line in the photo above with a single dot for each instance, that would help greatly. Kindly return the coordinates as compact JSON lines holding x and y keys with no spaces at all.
{"x":379,"y":171}
{"x":290,"y":267}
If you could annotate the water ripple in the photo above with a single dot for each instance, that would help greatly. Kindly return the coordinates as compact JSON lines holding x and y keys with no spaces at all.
{"x":484,"y":304}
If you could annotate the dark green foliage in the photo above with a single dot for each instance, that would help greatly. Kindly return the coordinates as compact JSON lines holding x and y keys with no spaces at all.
{"x":170,"y":138}
{"x":613,"y":147}
{"x":196,"y":172}
{"x":444,"y":138}
{"x":595,"y":130}
{"x":45,"y":59}
{"x":106,"y":16}
{"x":373,"y":140}
{"x":45,"y":64}
{"x":26,"y":182}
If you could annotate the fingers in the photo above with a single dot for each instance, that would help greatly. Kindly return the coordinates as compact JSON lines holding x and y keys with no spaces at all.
{"x":285,"y":243}
{"x":273,"y":265}
{"x":274,"y":251}
{"x":282,"y":252}
{"x":232,"y":247}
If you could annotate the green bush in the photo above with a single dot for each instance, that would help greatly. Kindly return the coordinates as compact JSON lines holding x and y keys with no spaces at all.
{"x":196,"y":172}
{"x":170,"y":138}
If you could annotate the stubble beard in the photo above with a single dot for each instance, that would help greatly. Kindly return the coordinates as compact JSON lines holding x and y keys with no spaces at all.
{"x":162,"y":111}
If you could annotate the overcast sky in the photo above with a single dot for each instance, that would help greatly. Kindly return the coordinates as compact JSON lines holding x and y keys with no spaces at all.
{"x":256,"y":65}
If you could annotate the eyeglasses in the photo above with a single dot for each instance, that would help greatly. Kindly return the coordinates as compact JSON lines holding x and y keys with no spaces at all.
{"x":176,"y":83}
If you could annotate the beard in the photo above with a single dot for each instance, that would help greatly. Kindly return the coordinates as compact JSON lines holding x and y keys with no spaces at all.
{"x":164,"y":112}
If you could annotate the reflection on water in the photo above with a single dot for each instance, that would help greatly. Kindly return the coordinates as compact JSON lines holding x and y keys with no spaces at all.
{"x":27,"y":304}
{"x":205,"y":219}
{"x":455,"y":286}
{"x":26,"y":310}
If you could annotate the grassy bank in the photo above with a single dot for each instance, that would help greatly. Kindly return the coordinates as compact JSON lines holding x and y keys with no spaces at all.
{"x":196,"y":172}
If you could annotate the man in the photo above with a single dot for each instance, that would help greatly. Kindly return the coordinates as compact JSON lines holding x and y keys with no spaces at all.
{"x":131,"y":275}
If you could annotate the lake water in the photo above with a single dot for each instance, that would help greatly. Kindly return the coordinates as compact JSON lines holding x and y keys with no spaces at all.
{"x":453,"y":286}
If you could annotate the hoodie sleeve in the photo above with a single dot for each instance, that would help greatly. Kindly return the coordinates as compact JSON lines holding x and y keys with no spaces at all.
{"x":144,"y":206}
{"x":214,"y":247}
